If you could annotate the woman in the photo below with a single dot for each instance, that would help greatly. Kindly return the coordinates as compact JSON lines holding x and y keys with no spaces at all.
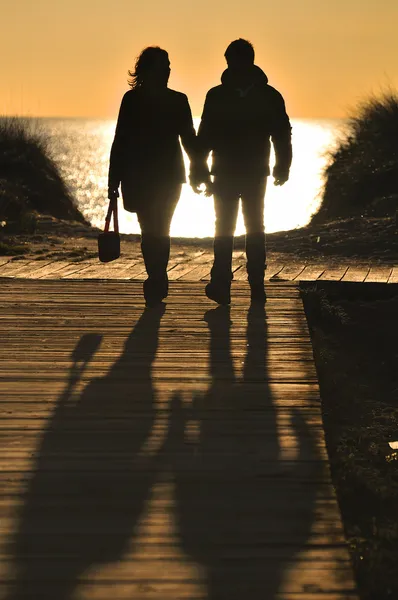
{"x":146,"y":159}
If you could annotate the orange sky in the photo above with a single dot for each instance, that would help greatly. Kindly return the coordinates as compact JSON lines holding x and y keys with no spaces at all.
{"x":70,"y":57}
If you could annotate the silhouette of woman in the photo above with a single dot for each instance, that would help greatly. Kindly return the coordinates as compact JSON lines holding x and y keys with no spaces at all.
{"x":89,"y":484}
{"x":146,"y":159}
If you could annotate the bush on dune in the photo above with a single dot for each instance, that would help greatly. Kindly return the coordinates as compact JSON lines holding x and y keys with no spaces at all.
{"x":362,"y":173}
{"x":30,"y":180}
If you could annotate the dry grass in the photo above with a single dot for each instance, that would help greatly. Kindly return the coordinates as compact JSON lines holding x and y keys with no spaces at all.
{"x":354,"y":331}
{"x":30,"y":180}
{"x":362,"y":172}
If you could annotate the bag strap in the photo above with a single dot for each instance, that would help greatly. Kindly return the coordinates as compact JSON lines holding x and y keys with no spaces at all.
{"x":112,"y":209}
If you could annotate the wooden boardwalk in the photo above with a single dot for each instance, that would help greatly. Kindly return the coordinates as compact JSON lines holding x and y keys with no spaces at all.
{"x":195,"y":267}
{"x":150,"y":454}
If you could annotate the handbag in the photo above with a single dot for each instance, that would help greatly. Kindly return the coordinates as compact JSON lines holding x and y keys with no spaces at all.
{"x":109,"y":241}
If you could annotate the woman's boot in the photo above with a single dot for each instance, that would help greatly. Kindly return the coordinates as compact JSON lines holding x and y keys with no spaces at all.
{"x":156,"y":252}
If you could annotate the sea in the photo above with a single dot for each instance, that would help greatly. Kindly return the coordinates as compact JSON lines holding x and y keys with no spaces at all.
{"x":81,"y":148}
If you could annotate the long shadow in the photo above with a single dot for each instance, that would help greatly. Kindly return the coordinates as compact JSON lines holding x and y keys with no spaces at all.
{"x":242,"y":513}
{"x":89,"y":485}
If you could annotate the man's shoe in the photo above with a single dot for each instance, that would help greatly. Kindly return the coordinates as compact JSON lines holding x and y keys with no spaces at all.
{"x":257,"y":293}
{"x":218,"y":293}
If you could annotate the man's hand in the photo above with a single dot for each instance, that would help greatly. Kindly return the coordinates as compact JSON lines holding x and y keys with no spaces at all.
{"x":280,"y":180}
{"x":280,"y":175}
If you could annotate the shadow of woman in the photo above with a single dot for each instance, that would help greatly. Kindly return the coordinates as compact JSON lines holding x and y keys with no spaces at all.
{"x":239,"y":509}
{"x":90,"y":483}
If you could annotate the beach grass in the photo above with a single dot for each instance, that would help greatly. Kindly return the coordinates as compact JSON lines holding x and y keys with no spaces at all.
{"x":30,"y":180}
{"x":354,"y":330}
{"x":361,"y":176}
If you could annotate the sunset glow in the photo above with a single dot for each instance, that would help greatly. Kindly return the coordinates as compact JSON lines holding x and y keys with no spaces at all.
{"x":71,"y":58}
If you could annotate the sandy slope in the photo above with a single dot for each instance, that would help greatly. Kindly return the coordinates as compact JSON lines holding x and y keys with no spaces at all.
{"x":357,"y":239}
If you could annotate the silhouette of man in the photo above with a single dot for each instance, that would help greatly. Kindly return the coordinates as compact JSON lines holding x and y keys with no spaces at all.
{"x":239,"y":118}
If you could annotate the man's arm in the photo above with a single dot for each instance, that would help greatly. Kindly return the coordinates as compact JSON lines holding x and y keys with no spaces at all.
{"x":281,"y":136}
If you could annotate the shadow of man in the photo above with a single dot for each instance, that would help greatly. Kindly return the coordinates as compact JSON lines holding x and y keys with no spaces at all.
{"x":240,"y":512}
{"x":90,"y":483}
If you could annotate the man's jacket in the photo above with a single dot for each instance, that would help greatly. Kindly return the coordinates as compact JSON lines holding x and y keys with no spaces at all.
{"x":238,"y":123}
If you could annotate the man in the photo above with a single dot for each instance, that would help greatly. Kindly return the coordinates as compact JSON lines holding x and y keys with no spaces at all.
{"x":239,"y":118}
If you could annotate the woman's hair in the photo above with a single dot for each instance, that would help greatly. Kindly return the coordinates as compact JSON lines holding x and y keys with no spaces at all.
{"x":145,"y":63}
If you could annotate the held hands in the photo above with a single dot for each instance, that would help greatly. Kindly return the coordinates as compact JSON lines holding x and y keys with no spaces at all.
{"x":196,"y":187}
{"x":207,"y":190}
{"x":113,"y":194}
{"x":199,"y":176}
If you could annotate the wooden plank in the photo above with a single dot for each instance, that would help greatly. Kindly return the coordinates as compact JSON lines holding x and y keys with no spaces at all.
{"x":310,"y":273}
{"x":94,"y":270}
{"x":113,"y":270}
{"x":394,"y":275}
{"x":356,"y":273}
{"x":202,"y":272}
{"x":289,"y":272}
{"x":175,"y":455}
{"x":378,"y":275}
{"x":281,"y":289}
{"x":184,"y":268}
{"x":183,"y":256}
{"x":179,"y":270}
{"x":272,"y":269}
{"x":198,"y":273}
{"x":91,"y":266}
{"x":12,"y":267}
{"x":240,"y":274}
{"x":238,"y":269}
{"x":51,"y":271}
{"x":238,"y":259}
{"x":190,"y":590}
{"x":335,"y":273}
{"x":34,"y":269}
{"x":69,"y":268}
{"x":4,"y":260}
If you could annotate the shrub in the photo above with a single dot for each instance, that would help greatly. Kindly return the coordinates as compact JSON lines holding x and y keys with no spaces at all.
{"x":362,"y":171}
{"x":29,"y":178}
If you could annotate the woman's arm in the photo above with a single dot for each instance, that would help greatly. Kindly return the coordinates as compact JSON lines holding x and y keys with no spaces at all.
{"x":186,"y":129}
{"x":118,"y":149}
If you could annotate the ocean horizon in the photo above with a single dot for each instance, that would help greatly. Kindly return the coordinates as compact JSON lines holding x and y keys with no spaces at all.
{"x":81,"y":148}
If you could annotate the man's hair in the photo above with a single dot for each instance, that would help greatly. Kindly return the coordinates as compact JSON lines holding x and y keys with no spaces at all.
{"x":241,"y":50}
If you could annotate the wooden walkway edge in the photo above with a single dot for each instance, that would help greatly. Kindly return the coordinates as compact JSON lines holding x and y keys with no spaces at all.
{"x":194,"y":268}
{"x":162,"y":454}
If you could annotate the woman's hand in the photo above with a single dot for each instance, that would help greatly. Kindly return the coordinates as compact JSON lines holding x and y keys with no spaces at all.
{"x":199,"y":174}
{"x":113,"y":193}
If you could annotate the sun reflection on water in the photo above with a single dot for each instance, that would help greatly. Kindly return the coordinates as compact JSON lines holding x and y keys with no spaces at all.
{"x":81,"y":148}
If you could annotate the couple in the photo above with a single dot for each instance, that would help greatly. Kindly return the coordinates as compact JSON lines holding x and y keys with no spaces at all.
{"x":239,"y":118}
